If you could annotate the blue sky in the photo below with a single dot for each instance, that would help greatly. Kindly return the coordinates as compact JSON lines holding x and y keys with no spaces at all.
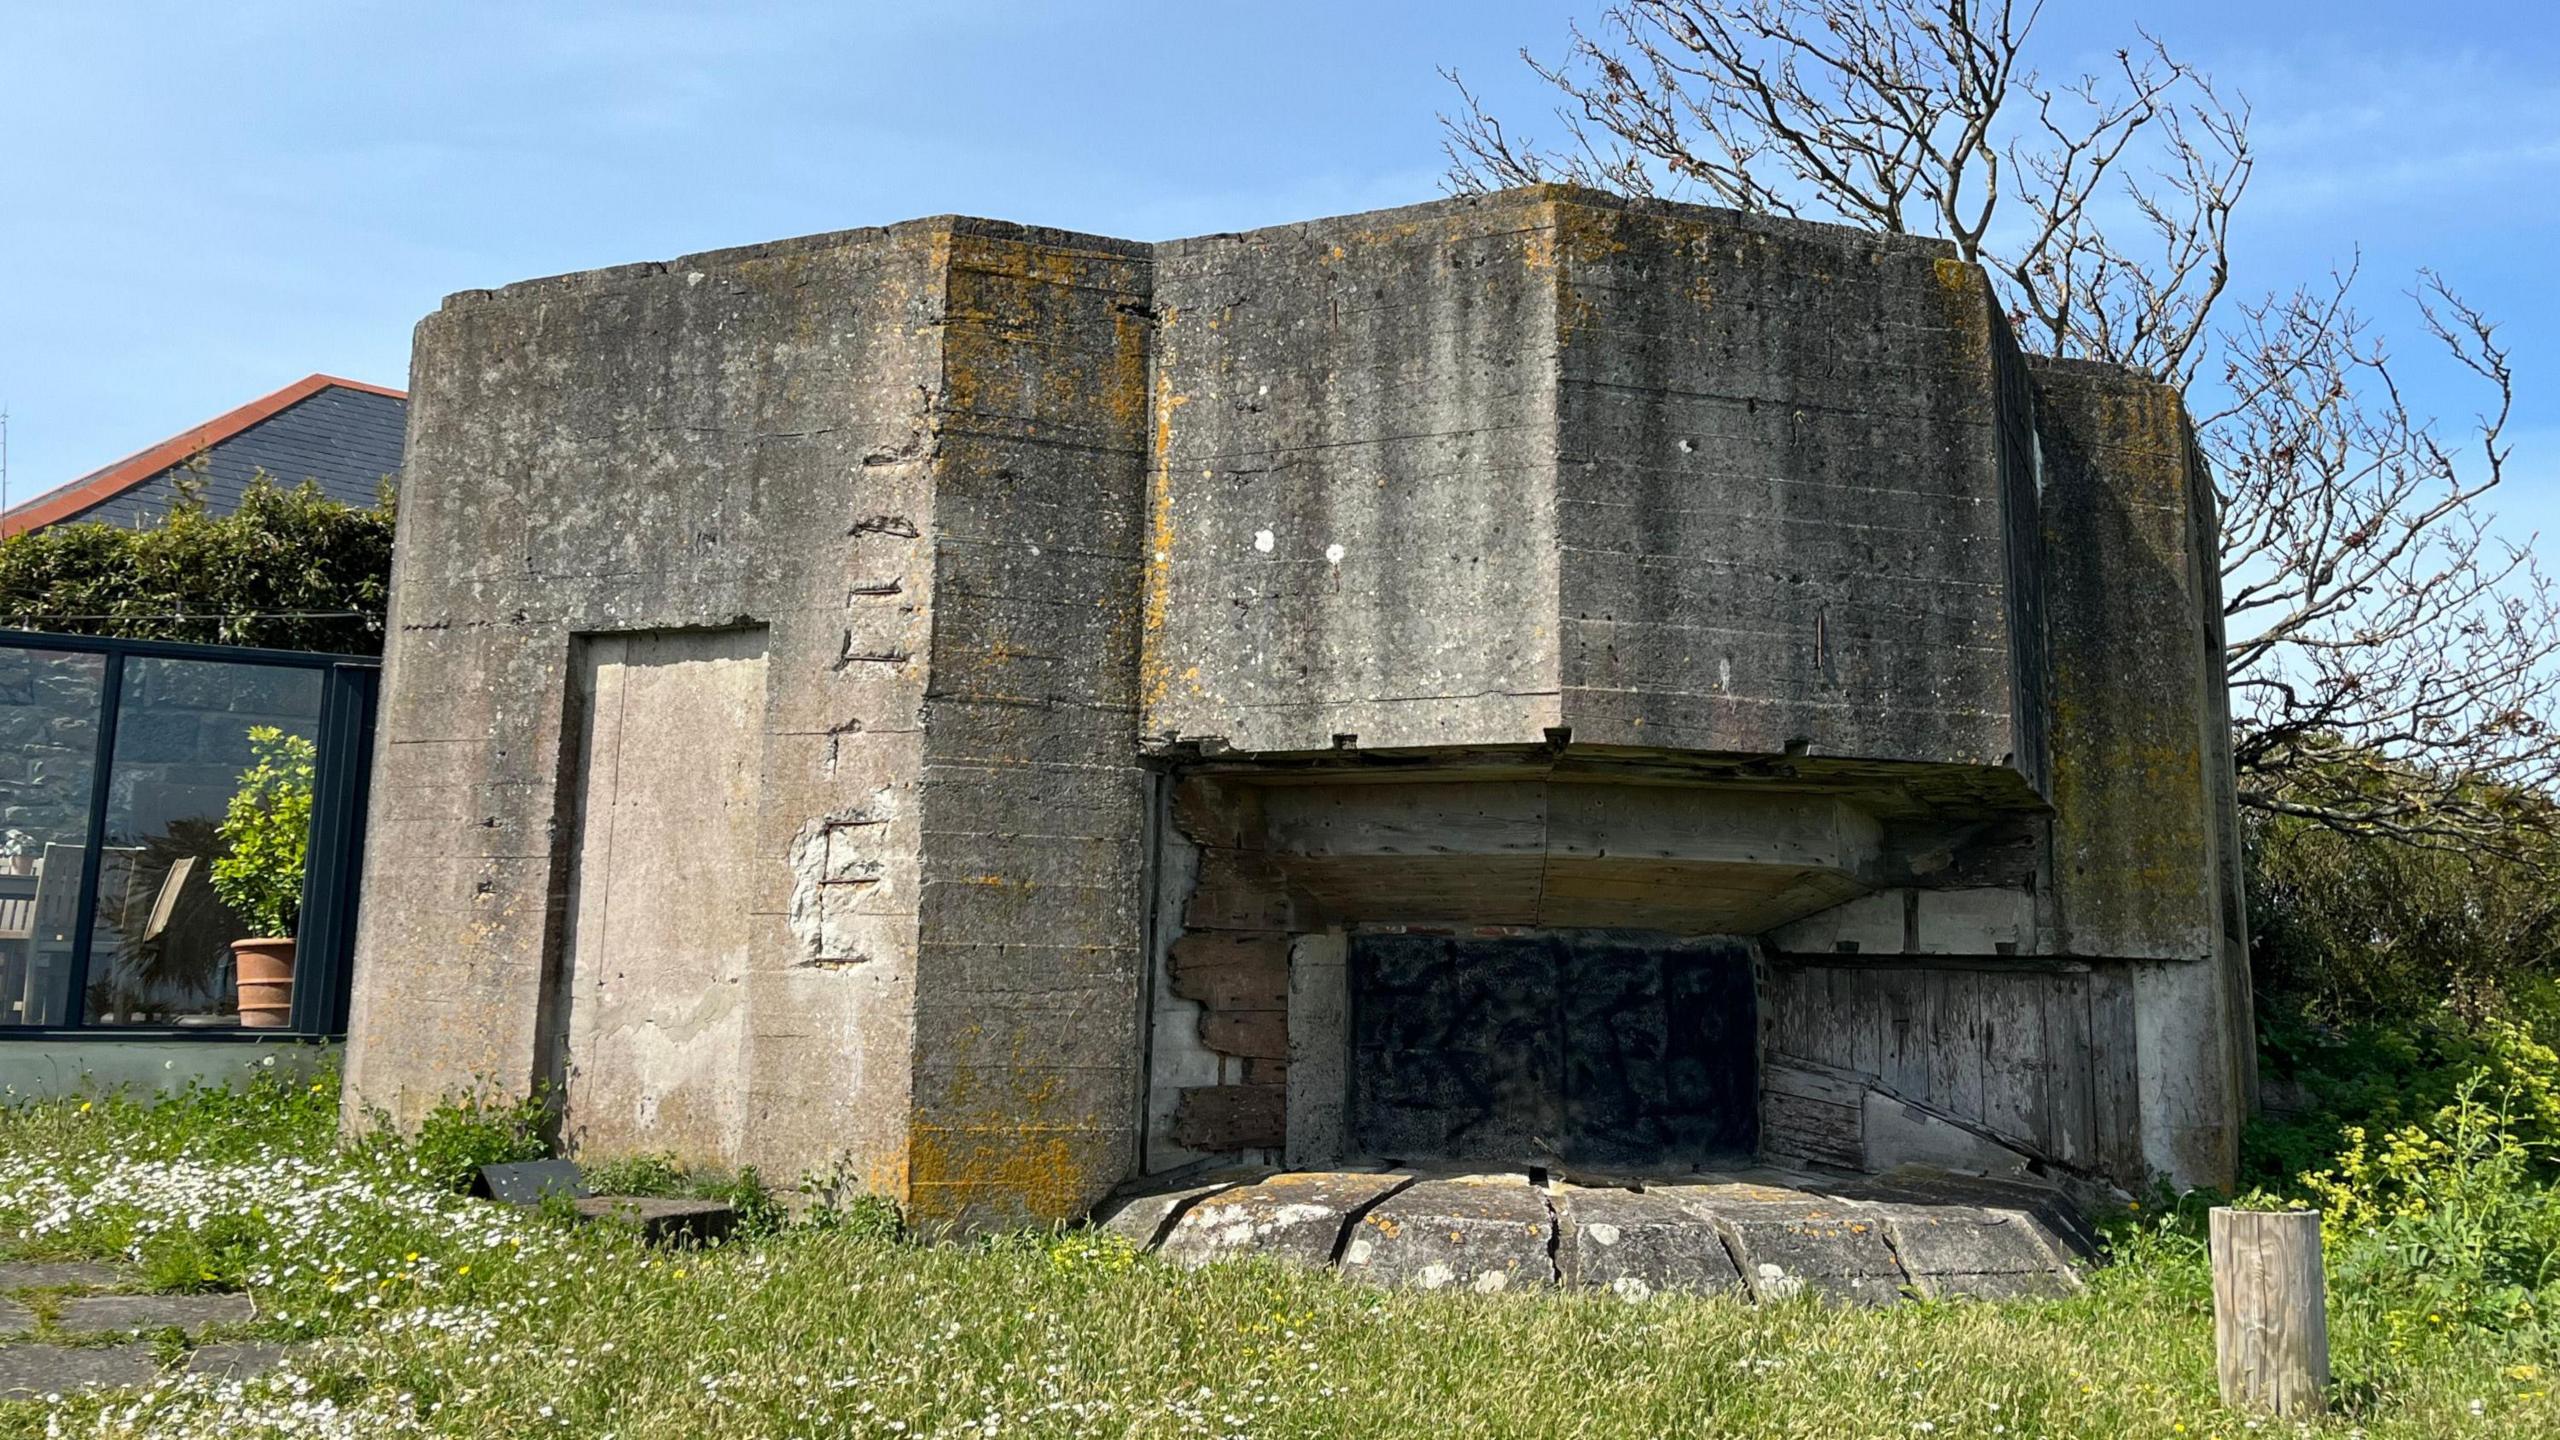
{"x":201,"y":202}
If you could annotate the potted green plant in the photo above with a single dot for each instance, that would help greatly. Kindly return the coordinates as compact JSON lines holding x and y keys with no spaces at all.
{"x":266,"y":838}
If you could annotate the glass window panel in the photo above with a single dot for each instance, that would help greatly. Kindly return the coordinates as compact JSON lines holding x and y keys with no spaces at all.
{"x":191,"y":735}
{"x":49,"y":704}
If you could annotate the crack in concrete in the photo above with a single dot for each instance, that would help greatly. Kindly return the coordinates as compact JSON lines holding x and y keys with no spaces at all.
{"x":1351,"y":1218}
{"x":1555,"y":1236}
{"x":1173,"y":1215}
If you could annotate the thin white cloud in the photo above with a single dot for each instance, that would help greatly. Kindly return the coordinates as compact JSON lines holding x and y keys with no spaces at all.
{"x":2339,"y":129}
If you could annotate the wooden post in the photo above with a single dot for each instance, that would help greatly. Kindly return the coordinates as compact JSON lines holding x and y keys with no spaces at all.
{"x":2270,"y":1310}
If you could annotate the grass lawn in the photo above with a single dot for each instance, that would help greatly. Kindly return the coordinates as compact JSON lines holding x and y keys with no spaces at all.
{"x":427,"y":1314}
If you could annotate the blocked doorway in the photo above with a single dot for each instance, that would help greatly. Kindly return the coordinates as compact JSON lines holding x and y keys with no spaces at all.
{"x":667,"y":775}
{"x":1582,"y":1049}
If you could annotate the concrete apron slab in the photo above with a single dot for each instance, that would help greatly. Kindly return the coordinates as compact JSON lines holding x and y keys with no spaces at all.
{"x":1144,"y":1214}
{"x":1485,"y":1233}
{"x":1803,"y":1243}
{"x":1302,"y":1217}
{"x":1763,"y":1234}
{"x":1637,"y":1245}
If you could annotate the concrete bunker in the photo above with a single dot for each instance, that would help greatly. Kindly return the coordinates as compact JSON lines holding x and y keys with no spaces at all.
{"x":1539,"y":679}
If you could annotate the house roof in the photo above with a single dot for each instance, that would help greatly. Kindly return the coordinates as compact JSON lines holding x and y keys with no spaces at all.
{"x":100,"y":487}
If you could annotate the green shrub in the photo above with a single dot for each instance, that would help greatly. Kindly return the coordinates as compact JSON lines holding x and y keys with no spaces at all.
{"x":287,"y":568}
{"x":2347,"y":929}
{"x":760,"y":1212}
{"x":458,"y":1137}
{"x":658,"y":1174}
{"x":2454,"y":1215}
{"x":2377,"y":1077}
{"x":864,"y":1217}
{"x":2436,"y":1197}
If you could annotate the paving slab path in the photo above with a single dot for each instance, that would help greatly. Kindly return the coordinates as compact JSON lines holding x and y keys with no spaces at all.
{"x":31,"y":1372}
{"x":151,"y":1314}
{"x":62,"y":1275}
{"x":60,"y":1356}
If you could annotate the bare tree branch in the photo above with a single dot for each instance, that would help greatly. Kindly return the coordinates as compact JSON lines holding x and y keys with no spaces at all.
{"x":2393,"y":664}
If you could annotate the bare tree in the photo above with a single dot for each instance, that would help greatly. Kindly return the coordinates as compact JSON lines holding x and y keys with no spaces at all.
{"x":2393,"y":665}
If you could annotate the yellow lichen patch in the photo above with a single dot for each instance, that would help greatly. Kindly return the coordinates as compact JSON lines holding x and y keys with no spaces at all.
{"x":1573,"y":312}
{"x":1366,"y":240}
{"x":1155,"y":670}
{"x":1586,"y":235}
{"x":1127,"y":396}
{"x":1015,"y":1136}
{"x":886,"y":1175}
{"x":1007,"y":306}
{"x":1036,"y":1170}
{"x":1969,"y":312}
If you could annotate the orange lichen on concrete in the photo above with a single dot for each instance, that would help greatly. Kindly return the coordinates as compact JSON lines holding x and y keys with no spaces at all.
{"x":1021,"y":1146}
{"x":1587,"y":235}
{"x":1023,"y":1171}
{"x":1156,"y":672}
{"x":1126,"y":397}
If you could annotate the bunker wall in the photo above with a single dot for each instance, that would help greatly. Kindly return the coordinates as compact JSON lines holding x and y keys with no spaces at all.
{"x":1791,"y":504}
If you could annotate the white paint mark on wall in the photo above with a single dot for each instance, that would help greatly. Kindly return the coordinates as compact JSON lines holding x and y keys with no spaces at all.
{"x":835,"y":859}
{"x":1263,"y":540}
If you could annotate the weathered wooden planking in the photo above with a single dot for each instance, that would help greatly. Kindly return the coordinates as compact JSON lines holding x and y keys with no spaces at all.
{"x":2013,"y":1058}
{"x":1904,"y":1029}
{"x":2070,"y":1105}
{"x":1230,"y":1117}
{"x":1803,"y":1082}
{"x":1418,"y":818}
{"x":1817,"y":1130}
{"x":1233,"y":969}
{"x":2012,"y":1047}
{"x":2115,"y":1086}
{"x":1240,"y":890}
{"x":1812,"y":1114}
{"x":1254,"y":1034}
{"x":1955,"y":1062}
{"x":2270,"y":1310}
{"x":1454,"y":889}
{"x":1217,"y":814}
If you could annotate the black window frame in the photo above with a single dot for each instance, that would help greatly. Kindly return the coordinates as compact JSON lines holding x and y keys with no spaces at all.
{"x":350,"y":691}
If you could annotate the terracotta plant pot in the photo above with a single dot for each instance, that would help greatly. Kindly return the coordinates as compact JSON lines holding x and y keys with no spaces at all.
{"x":266,"y":982}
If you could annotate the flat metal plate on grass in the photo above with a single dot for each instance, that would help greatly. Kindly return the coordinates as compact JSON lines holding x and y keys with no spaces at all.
{"x":525,"y":1182}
